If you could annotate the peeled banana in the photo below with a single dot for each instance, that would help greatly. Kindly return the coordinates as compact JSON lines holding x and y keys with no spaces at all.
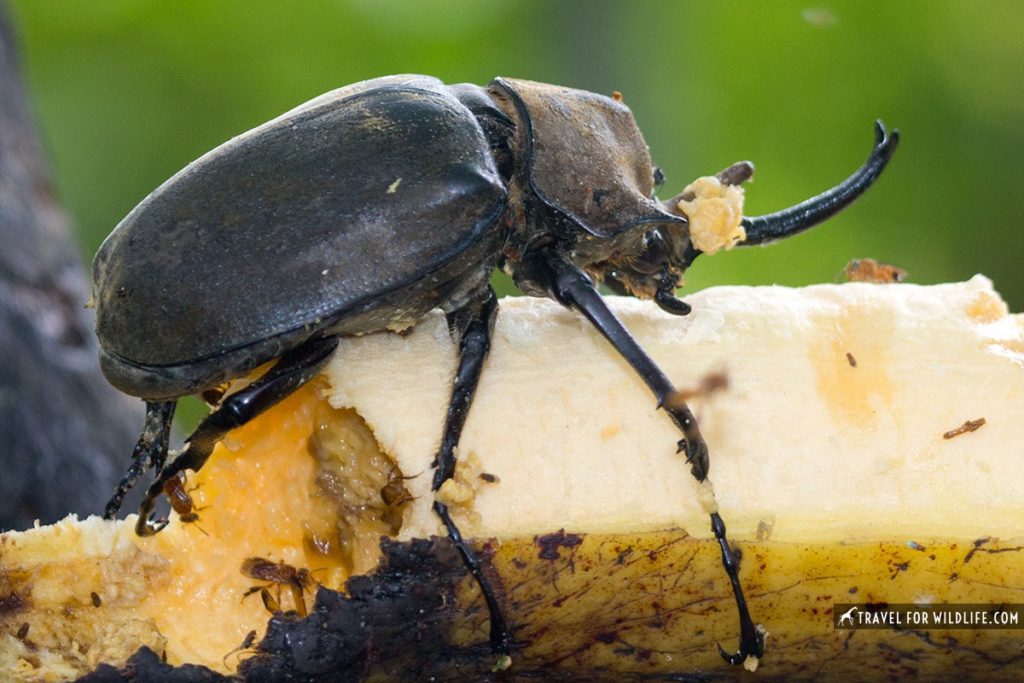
{"x":865,"y":440}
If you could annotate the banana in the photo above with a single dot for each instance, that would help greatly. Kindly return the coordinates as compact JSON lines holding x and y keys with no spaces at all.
{"x":865,"y":448}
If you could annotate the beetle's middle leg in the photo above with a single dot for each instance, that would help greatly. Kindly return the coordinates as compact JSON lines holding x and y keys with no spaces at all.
{"x":471,"y":325}
{"x":294,"y":369}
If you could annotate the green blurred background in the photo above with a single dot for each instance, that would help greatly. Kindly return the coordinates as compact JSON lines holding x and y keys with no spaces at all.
{"x":129,"y":91}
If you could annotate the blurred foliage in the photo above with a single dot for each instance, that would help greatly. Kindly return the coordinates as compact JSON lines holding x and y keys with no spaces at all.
{"x":129,"y":91}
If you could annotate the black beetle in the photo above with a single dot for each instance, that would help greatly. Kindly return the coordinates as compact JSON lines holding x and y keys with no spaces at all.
{"x":368,"y":206}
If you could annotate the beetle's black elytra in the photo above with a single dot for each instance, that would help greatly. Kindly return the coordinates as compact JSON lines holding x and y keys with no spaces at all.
{"x":363,"y":209}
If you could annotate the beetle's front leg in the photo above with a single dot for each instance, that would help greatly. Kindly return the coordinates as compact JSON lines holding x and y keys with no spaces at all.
{"x":571,"y":287}
{"x":471,"y":325}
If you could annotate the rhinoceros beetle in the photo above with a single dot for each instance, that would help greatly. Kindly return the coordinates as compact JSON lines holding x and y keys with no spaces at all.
{"x":363,"y":209}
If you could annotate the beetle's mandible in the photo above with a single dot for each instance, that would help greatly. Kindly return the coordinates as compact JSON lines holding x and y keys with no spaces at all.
{"x":365,"y":208}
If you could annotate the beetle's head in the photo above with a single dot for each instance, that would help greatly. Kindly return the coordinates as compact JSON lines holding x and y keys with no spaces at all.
{"x":586,"y":184}
{"x":652,"y":267}
{"x":581,"y":184}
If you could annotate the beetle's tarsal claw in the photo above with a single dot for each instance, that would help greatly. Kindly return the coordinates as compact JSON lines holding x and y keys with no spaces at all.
{"x":696,"y":457}
{"x":150,"y":526}
{"x":733,"y":659}
{"x":749,"y":647}
{"x":751,"y":635}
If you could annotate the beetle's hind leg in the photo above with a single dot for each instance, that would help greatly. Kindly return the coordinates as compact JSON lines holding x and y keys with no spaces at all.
{"x":294,"y":369}
{"x":150,"y":451}
{"x":471,"y":325}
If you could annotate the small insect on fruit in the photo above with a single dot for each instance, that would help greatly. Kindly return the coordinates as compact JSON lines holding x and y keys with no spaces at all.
{"x":181,"y":500}
{"x":370,"y":205}
{"x":279,"y":574}
{"x":870,"y":270}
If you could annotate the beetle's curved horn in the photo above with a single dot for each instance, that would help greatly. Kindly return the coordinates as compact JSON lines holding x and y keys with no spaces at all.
{"x":775,"y":226}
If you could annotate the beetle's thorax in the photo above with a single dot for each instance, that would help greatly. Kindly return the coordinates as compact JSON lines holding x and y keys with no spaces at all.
{"x":581,"y":178}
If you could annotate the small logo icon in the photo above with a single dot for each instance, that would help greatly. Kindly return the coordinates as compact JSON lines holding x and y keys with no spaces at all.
{"x":848,"y":615}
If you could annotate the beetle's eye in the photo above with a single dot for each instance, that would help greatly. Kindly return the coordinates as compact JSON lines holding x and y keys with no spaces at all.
{"x":653,"y":254}
{"x":659,"y":177}
{"x":654,"y":244}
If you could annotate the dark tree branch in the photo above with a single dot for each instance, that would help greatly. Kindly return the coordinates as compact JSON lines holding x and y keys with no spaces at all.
{"x":65,"y":434}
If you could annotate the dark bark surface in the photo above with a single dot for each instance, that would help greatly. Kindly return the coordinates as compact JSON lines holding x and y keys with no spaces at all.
{"x":65,"y":434}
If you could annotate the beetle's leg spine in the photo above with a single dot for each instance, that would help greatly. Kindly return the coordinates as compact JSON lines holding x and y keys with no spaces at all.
{"x":150,"y":451}
{"x":294,"y":369}
{"x":571,"y":287}
{"x":472,"y":325}
{"x":776,"y":226}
